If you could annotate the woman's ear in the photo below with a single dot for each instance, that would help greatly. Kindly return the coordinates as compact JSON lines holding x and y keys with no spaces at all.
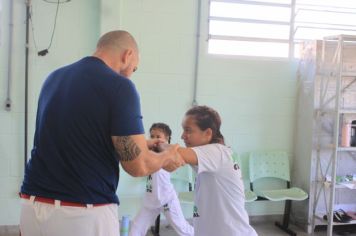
{"x":209,"y":134}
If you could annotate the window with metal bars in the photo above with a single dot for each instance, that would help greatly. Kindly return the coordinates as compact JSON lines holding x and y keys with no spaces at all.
{"x":275,"y":28}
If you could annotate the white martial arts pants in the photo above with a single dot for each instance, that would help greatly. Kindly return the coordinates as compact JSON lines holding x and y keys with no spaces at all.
{"x":173,"y":213}
{"x":42,"y":219}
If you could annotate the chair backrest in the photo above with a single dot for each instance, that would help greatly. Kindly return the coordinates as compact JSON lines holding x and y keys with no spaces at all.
{"x":273,"y":164}
{"x":184,"y":174}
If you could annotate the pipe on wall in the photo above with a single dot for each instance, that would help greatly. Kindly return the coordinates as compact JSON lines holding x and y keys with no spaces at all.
{"x":9,"y":57}
{"x":197,"y":50}
{"x":28,"y":4}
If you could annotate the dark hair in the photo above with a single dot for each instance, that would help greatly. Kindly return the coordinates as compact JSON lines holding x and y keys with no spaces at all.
{"x":206,"y":117}
{"x":165,"y":129}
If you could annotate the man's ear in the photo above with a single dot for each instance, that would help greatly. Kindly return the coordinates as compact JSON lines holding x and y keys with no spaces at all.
{"x":126,"y":56}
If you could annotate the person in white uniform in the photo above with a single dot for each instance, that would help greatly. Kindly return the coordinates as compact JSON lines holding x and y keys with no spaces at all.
{"x":219,"y":191}
{"x":160,"y":197}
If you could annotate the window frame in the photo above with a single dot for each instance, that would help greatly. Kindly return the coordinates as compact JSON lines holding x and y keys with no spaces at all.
{"x":294,"y":25}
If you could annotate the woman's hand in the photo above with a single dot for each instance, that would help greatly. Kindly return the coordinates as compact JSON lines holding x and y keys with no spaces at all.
{"x":176,"y":161}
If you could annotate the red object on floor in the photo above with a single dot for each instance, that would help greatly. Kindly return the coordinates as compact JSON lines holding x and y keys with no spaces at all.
{"x":352,"y":215}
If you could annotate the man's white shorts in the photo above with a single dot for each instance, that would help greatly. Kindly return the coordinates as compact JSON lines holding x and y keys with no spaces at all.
{"x":44,"y":219}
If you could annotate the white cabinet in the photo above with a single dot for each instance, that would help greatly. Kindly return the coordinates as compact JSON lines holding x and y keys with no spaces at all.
{"x":326,"y":103}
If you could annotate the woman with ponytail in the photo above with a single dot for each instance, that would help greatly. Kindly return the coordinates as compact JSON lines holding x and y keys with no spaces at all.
{"x":219,"y":192}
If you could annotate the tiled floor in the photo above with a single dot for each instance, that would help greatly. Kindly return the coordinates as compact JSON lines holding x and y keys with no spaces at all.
{"x":262,"y":228}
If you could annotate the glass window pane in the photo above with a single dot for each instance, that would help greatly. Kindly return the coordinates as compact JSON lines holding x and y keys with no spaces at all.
{"x":316,"y":19}
{"x":329,"y":3}
{"x":326,"y":17}
{"x":307,"y":33}
{"x":271,"y":1}
{"x":245,"y":11}
{"x":249,"y":29}
{"x":246,"y":48}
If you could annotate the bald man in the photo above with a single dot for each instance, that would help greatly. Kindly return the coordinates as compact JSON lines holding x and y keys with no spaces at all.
{"x":88,"y":121}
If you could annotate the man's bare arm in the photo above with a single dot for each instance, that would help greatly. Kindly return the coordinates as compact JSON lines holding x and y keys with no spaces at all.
{"x":138,"y":160}
{"x":127,"y":149}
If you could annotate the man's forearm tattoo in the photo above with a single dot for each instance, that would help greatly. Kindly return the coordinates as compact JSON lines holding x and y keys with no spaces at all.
{"x":126,"y":148}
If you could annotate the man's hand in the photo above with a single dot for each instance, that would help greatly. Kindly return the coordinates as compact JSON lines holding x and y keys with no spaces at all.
{"x":176,"y":161}
{"x":153,"y":144}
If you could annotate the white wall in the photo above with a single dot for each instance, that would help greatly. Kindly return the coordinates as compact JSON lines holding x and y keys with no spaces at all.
{"x":256,"y":98}
{"x":11,"y":123}
{"x":75,"y":36}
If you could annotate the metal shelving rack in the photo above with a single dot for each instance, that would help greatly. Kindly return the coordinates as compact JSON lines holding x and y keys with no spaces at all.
{"x":336,"y":77}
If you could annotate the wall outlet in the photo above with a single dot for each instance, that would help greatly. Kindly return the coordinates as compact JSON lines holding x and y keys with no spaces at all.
{"x":8,"y":105}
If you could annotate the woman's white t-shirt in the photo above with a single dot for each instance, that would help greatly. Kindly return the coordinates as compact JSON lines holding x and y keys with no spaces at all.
{"x":219,"y":194}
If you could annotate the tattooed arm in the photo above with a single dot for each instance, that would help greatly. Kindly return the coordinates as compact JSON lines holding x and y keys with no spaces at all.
{"x":138,"y":160}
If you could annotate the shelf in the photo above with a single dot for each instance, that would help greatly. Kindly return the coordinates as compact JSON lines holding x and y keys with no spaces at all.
{"x":348,"y":74}
{"x":347,"y":111}
{"x":339,"y":149}
{"x":346,"y":149}
{"x":332,"y":111}
{"x":319,"y":220}
{"x":319,"y":216}
{"x":336,"y":75}
{"x":327,"y":184}
{"x":345,"y":37}
{"x":351,"y":185}
{"x":334,"y":83}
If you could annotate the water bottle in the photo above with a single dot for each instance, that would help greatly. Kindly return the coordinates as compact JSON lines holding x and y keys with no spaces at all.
{"x":346,"y":135}
{"x":353,"y":134}
{"x":125,"y":224}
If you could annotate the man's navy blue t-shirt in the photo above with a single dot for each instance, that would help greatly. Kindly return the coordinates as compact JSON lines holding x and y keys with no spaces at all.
{"x":80,"y":107}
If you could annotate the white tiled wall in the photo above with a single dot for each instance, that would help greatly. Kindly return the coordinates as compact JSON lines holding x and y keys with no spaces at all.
{"x":76,"y":33}
{"x":256,"y":99}
{"x":11,"y":123}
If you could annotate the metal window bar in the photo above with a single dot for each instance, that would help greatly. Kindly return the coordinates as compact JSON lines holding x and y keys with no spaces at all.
{"x":326,"y":6}
{"x":315,"y":23}
{"x":291,"y":30}
{"x":325,"y":28}
{"x":254,"y":3}
{"x":251,"y":39}
{"x":330,"y":11}
{"x":243,"y":20}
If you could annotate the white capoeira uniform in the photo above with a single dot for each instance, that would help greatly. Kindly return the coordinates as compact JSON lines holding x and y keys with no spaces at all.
{"x":219,"y":194}
{"x":160,"y":197}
